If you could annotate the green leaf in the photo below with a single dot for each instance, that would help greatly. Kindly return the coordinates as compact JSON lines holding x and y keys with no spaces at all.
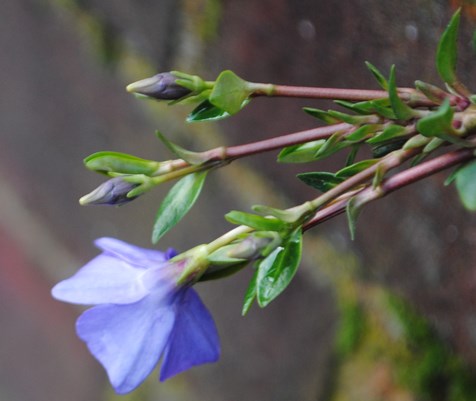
{"x":432,"y":92}
{"x":302,"y":153}
{"x":434,"y":144}
{"x":332,"y":145}
{"x":352,"y":212}
{"x":357,"y":107}
{"x":347,"y":118}
{"x":250,"y":294}
{"x":206,"y":111}
{"x":122,"y":163}
{"x":322,"y":181}
{"x":190,"y":157}
{"x":177,"y":203}
{"x":466,"y":185}
{"x":355,"y":168}
{"x":277,"y":270}
{"x":380,"y":106}
{"x":437,"y":123}
{"x":350,"y":159}
{"x":447,"y":53}
{"x":391,"y":132}
{"x":363,"y":132}
{"x":221,"y":269}
{"x":378,"y":75}
{"x":321,"y":115}
{"x":230,"y":93}
{"x":402,"y":111}
{"x":255,"y":221}
{"x":381,"y":150}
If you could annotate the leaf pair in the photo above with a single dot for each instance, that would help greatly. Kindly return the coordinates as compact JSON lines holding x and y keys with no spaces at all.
{"x":229,"y":95}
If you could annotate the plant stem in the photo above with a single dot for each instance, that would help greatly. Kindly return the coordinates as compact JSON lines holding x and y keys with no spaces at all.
{"x":411,"y":96}
{"x":391,"y":184}
{"x":389,"y":162}
{"x":234,"y":152}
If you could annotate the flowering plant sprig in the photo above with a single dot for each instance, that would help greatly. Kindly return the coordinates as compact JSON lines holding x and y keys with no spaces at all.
{"x":146,"y":304}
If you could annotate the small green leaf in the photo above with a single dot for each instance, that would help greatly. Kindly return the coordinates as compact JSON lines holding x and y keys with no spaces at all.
{"x":352,"y":212}
{"x":302,"y":153}
{"x":321,"y":115}
{"x":358,"y":107}
{"x":391,"y":132}
{"x":452,"y":176}
{"x":122,"y":163}
{"x":255,"y":221}
{"x":190,"y":157}
{"x":350,"y":159}
{"x":206,"y":111}
{"x":447,"y":53}
{"x":378,"y":75}
{"x":221,"y":257}
{"x":434,"y":144}
{"x":466,"y":185}
{"x":402,"y":110}
{"x":177,"y":203}
{"x":277,"y":270}
{"x":322,"y":181}
{"x":230,"y":93}
{"x":416,"y":141}
{"x":437,"y":123}
{"x":222,"y":269}
{"x":283,"y":215}
{"x":250,"y":294}
{"x":363,"y":132}
{"x":355,"y":168}
{"x":381,"y":150}
{"x":381,"y":108}
{"x":348,"y":118}
{"x":332,"y":145}
{"x":432,"y":92}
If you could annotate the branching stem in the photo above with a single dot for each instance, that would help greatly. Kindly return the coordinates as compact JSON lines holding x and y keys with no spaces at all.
{"x":391,"y":184}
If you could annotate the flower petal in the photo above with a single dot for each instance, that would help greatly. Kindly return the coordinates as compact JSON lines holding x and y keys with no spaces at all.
{"x":105,"y":279}
{"x":194,"y":339}
{"x":127,"y":339}
{"x":139,"y":257}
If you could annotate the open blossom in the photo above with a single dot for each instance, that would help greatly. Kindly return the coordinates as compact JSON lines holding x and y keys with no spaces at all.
{"x":145,"y":310}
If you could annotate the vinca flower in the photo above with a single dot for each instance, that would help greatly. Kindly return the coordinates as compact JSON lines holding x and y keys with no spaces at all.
{"x":146,"y":309}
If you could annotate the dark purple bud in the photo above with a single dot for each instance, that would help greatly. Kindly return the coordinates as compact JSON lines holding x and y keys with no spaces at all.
{"x":161,"y":86}
{"x":111,"y":192}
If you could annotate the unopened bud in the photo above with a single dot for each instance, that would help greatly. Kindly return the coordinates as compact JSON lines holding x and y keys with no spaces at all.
{"x":161,"y":86}
{"x":250,"y":247}
{"x":111,"y":192}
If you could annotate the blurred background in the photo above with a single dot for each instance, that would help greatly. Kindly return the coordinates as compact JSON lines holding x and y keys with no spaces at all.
{"x":390,"y":316}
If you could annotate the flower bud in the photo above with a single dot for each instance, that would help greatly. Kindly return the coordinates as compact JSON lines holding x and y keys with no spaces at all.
{"x":252,"y":246}
{"x":161,"y":86}
{"x":111,"y":192}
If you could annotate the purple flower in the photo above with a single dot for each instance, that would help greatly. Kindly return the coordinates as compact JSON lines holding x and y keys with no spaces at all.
{"x":146,"y":309}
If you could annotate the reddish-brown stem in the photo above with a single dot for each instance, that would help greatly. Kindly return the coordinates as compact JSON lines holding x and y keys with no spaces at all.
{"x":410,"y":95}
{"x":234,"y":152}
{"x":391,"y":184}
{"x":328,"y":93}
